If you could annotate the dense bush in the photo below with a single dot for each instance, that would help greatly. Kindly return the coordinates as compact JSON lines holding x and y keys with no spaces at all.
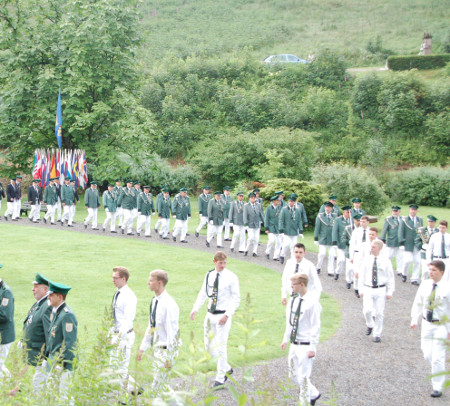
{"x":438,"y":135}
{"x":348,"y":182}
{"x":418,"y":61}
{"x":365,"y":95}
{"x":428,"y":186}
{"x":327,"y":70}
{"x":310,"y":195}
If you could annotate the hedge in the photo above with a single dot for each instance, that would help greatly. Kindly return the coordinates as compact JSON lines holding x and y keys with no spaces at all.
{"x":407,"y":62}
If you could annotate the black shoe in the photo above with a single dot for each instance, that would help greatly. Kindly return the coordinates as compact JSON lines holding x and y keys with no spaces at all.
{"x":312,"y":402}
{"x":123,"y":231}
{"x":377,"y":340}
{"x":349,"y":285}
{"x":267,"y":256}
{"x":336,"y":277}
{"x":331,"y":274}
{"x":245,"y":253}
{"x":45,"y":220}
{"x":130,"y":233}
{"x":232,"y":249}
{"x":255,"y":255}
{"x":138,"y":234}
{"x":227,"y":239}
{"x":94,"y":228}
{"x":207,"y":244}
{"x":229,"y":372}
{"x":403,"y":278}
{"x":220,"y":246}
{"x":282,"y":260}
{"x":103,"y":229}
{"x":184,"y":241}
{"x":369,"y":331}
{"x":140,"y":391}
{"x":197,"y":234}
{"x":156,"y":230}
{"x":38,"y":222}
{"x":30,"y":219}
{"x":357,"y":293}
{"x":217,"y":385}
{"x":62,"y":224}
{"x":187,"y":234}
{"x":174,"y":238}
{"x":318,"y":271}
{"x":148,"y":236}
{"x":114,"y":232}
{"x":276,"y":259}
{"x":85,"y":226}
{"x":415,"y":283}
{"x":436,"y":394}
{"x":53,"y":224}
{"x":241,"y":252}
{"x":165,"y":238}
{"x":6,"y":218}
{"x":69,"y":225}
{"x":15,"y":219}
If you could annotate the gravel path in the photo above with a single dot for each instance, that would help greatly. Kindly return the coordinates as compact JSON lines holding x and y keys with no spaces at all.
{"x":349,"y":367}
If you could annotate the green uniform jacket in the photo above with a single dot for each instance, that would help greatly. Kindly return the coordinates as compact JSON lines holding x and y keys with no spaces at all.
{"x":335,"y":210}
{"x":407,"y":233}
{"x":62,"y":336}
{"x":324,"y":229}
{"x":261,"y":202}
{"x":227,"y":205}
{"x":50,"y":196}
{"x":301,"y":207}
{"x":118,"y":190}
{"x":159,"y":196}
{"x":389,"y":234}
{"x":7,"y":332}
{"x":290,"y":222}
{"x":360,"y":211}
{"x":237,"y":213}
{"x":127,"y":199}
{"x":137,"y":192}
{"x":338,"y":232}
{"x":181,"y":207}
{"x":271,"y":219}
{"x":35,"y":331}
{"x":346,"y":238}
{"x":215,"y":211}
{"x":425,"y":233}
{"x":203,"y":201}
{"x":67,"y":195}
{"x":253,"y":217}
{"x":110,"y":201}
{"x":145,"y":204}
{"x":91,"y":198}
{"x":163,"y":206}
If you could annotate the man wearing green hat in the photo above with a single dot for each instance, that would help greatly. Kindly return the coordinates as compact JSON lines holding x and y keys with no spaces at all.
{"x":36,"y":331}
{"x":92,"y":203}
{"x":8,"y":334}
{"x":280,"y":195}
{"x":323,"y":237}
{"x":17,"y":199}
{"x":62,"y":337}
{"x":35,"y":199}
{"x":253,"y":217}
{"x":159,"y":196}
{"x":145,"y":209}
{"x":357,"y":207}
{"x":407,"y":232}
{"x":389,"y":235}
{"x":215,"y":220}
{"x":163,"y":206}
{"x":2,"y":195}
{"x":291,"y":226}
{"x":181,"y":209}
{"x":237,"y":222}
{"x":203,"y":201}
{"x":50,"y":199}
{"x":346,"y":238}
{"x":338,"y":241}
{"x":271,"y":221}
{"x":335,"y":208}
{"x":73,"y":208}
{"x":137,"y":191}
{"x":422,"y":239}
{"x":109,"y":198}
{"x":117,"y":192}
{"x":126,"y":201}
{"x":10,"y":196}
{"x":67,"y":200}
{"x":227,"y":199}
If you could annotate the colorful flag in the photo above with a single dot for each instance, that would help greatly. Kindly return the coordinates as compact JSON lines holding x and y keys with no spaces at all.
{"x":58,"y":123}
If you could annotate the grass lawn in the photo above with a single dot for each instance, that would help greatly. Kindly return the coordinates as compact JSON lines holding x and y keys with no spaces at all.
{"x":85,"y":262}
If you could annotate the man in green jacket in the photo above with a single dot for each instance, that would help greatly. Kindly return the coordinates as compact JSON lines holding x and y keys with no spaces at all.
{"x":339,"y":241}
{"x":227,"y":200}
{"x":237,"y":222}
{"x":203,"y":201}
{"x":92,"y":203}
{"x":181,"y":210}
{"x":145,"y":209}
{"x":50,"y":199}
{"x":36,"y":330}
{"x":334,"y":207}
{"x":109,"y":198}
{"x":67,"y":200}
{"x":216,"y":209}
{"x":271,"y":221}
{"x":119,"y":212}
{"x":159,"y":196}
{"x":137,"y":192}
{"x":389,"y":235}
{"x":323,"y":237}
{"x":291,"y":226}
{"x":126,"y":201}
{"x":356,"y":201}
{"x":7,"y":331}
{"x":253,"y":217}
{"x":164,"y":205}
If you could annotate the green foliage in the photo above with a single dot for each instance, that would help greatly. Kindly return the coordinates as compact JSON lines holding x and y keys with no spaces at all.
{"x":365,"y":95}
{"x":376,"y":47}
{"x":428,"y":186}
{"x":408,"y":62}
{"x":348,"y":182}
{"x":327,"y":70}
{"x":309,"y":194}
{"x":438,"y":135}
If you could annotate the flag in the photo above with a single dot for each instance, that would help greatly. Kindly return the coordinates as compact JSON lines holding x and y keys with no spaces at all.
{"x":52,"y":166}
{"x":75,"y":167}
{"x":58,"y":123}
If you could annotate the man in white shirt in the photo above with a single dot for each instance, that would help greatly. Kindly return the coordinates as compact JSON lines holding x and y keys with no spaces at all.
{"x":299,"y":265}
{"x":376,"y":284}
{"x":122,"y":333}
{"x":302,"y":331}
{"x":432,"y":305}
{"x":439,"y":248}
{"x":221,"y":286}
{"x":163,"y":331}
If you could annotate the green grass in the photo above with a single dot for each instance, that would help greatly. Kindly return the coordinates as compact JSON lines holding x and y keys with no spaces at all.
{"x":85,"y":262}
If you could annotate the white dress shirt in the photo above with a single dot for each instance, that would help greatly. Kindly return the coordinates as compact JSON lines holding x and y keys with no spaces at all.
{"x":166,"y":329}
{"x":356,"y":242}
{"x":435,"y":246}
{"x":228,"y":296}
{"x":385,"y":273}
{"x":304,"y":267}
{"x":125,"y":310}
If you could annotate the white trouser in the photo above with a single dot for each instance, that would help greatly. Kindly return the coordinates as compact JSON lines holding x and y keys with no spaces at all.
{"x":340,"y":262}
{"x":50,"y":212}
{"x":40,"y":377}
{"x":127,"y":223}
{"x":58,"y":208}
{"x":238,"y":231}
{"x":181,"y":226}
{"x":358,"y":258}
{"x":4,"y":351}
{"x":66,"y":214}
{"x":203,"y":223}
{"x":9,"y":209}
{"x":321,"y":257}
{"x":142,"y":219}
{"x":119,"y":215}
{"x":274,"y":240}
{"x":16,"y":210}
{"x":288,"y":244}
{"x":398,"y":254}
{"x":92,"y":215}
{"x":414,"y":258}
{"x":216,"y":339}
{"x":300,"y":367}
{"x":62,"y":378}
{"x":253,"y":237}
{"x":35,"y":213}
{"x":349,"y":274}
{"x":73,"y":210}
{"x":158,"y":223}
{"x":213,"y":230}
{"x":134,"y":214}
{"x":374,"y":300}
{"x":0,"y":205}
{"x":164,"y":230}
{"x":432,"y":343}
{"x":120,"y":359}
{"x":161,"y":374}
{"x":226,"y":227}
{"x":110,"y":218}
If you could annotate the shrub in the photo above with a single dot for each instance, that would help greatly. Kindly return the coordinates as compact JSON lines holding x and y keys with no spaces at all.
{"x":365,"y":95}
{"x":310,"y":195}
{"x":418,"y":62}
{"x":438,"y":135}
{"x":348,"y":182}
{"x":327,"y":70}
{"x":428,"y":186}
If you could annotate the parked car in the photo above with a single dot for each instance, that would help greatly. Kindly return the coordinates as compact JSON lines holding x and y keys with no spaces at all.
{"x":283,"y":58}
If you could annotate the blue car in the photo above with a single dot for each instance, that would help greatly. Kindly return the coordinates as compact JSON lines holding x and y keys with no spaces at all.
{"x":283,"y":58}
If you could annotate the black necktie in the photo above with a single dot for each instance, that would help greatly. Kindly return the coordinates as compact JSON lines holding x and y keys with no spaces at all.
{"x":296,"y":268}
{"x":443,"y":253}
{"x":431,"y":303}
{"x":114,"y":302}
{"x":153,"y":313}
{"x":296,"y":320}
{"x":375,"y":273}
{"x":364,"y":236}
{"x":215,"y":294}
